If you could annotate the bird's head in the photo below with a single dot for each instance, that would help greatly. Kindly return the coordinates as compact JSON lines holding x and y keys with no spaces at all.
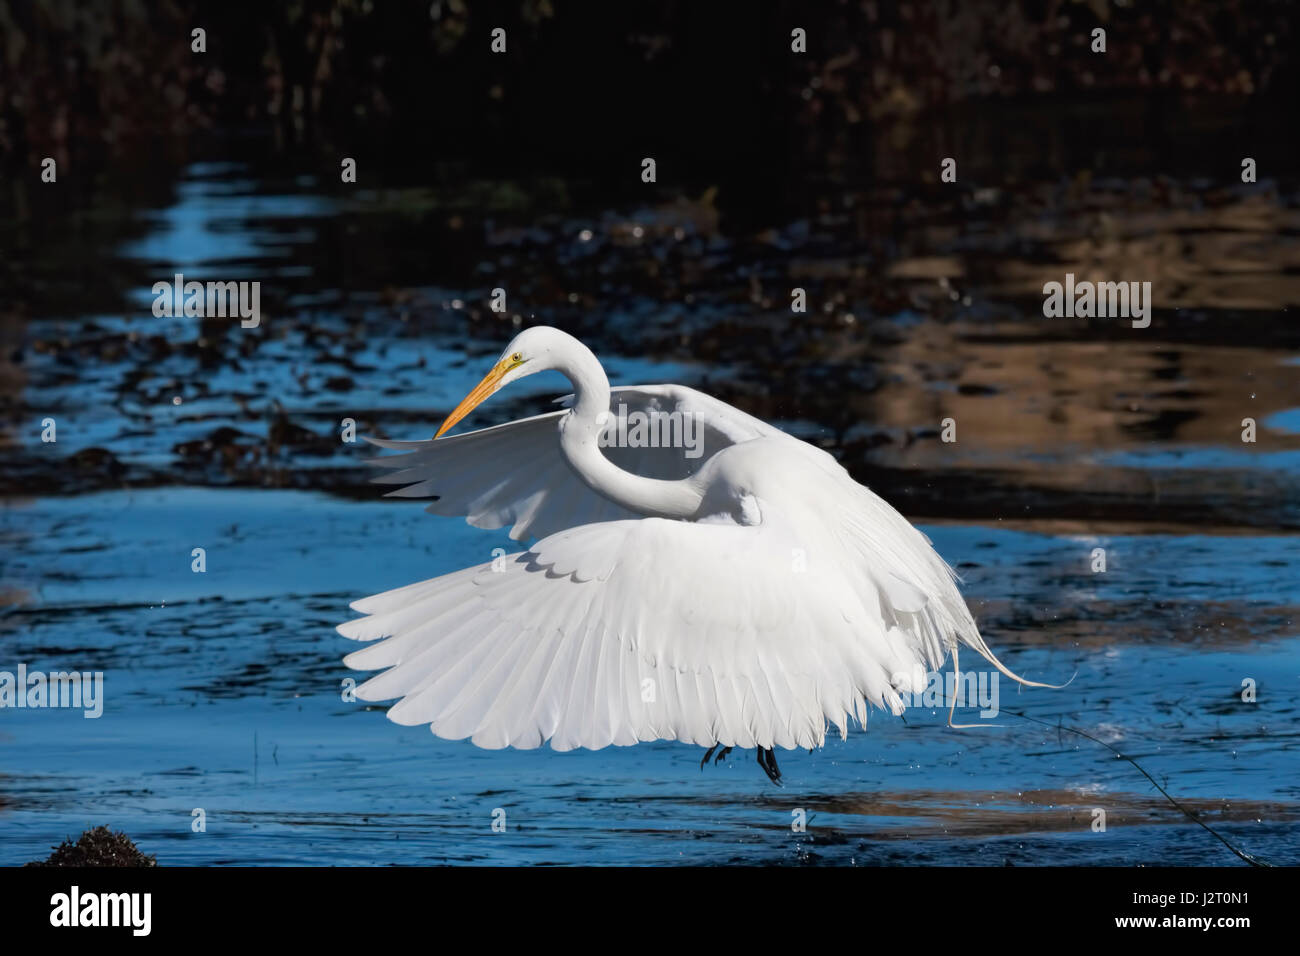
{"x":532,"y":350}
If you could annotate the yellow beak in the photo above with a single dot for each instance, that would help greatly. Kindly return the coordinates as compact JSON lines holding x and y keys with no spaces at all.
{"x":491,"y":382}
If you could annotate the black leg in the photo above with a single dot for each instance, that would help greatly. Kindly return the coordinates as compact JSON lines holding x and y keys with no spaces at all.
{"x":707,"y":754}
{"x":767,"y":760}
{"x":722,"y":755}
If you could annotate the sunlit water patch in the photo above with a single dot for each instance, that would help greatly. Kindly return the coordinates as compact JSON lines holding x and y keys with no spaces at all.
{"x":223,"y":692}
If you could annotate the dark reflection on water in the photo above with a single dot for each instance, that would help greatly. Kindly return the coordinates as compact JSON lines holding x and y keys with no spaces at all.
{"x":1072,"y":435}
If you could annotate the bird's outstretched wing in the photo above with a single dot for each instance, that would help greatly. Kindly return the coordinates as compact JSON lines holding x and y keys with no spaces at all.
{"x":514,"y":474}
{"x":647,"y":629}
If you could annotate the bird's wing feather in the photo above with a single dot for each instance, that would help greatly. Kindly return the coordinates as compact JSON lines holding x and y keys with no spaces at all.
{"x":515,"y":475}
{"x":646,"y":629}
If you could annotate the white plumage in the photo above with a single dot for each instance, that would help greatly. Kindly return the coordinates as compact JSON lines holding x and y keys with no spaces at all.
{"x":743,"y":598}
{"x":514,"y":475}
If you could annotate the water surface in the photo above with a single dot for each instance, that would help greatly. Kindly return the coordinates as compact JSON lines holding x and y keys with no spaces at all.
{"x":224,"y":689}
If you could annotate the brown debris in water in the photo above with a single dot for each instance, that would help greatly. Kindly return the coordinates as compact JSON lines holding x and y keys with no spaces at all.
{"x":98,"y":847}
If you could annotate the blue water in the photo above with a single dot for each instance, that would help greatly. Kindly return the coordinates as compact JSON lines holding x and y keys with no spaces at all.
{"x":223,"y":693}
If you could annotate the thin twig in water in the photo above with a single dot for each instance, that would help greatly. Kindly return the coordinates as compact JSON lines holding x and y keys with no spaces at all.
{"x":1253,"y":861}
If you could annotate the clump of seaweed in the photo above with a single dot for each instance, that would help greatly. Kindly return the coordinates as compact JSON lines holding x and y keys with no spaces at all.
{"x":98,"y":847}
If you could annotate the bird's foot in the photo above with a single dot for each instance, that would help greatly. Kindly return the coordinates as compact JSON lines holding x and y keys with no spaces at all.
{"x":767,"y":760}
{"x":722,"y":755}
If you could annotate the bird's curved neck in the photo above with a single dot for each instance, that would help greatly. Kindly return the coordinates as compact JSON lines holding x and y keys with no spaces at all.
{"x":580,"y":432}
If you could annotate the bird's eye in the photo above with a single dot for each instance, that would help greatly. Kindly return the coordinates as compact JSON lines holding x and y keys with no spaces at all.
{"x":517,"y":357}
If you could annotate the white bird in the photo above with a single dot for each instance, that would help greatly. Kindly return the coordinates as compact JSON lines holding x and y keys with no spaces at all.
{"x":744,"y":597}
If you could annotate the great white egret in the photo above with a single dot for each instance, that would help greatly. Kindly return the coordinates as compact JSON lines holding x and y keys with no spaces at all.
{"x":741,"y":594}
